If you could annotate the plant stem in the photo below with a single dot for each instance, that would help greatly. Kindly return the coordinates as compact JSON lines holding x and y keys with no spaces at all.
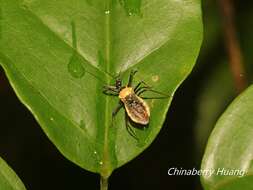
{"x":232,"y":44}
{"x":103,"y":183}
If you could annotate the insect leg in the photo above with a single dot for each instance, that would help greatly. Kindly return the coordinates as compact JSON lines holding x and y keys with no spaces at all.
{"x":163,"y":95}
{"x":113,"y":88}
{"x":143,"y":88}
{"x":109,"y":93}
{"x":128,"y":127}
{"x":116,"y":110}
{"x":130,"y":80}
{"x":139,"y":84}
{"x":140,"y":92}
{"x":110,"y":90}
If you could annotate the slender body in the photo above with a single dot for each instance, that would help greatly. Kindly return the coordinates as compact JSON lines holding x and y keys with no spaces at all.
{"x":136,"y":108}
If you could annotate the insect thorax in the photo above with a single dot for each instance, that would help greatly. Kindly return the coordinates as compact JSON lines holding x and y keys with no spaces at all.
{"x":125,"y":92}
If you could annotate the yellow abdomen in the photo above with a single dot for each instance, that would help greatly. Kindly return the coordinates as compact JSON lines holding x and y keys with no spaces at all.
{"x":136,"y":108}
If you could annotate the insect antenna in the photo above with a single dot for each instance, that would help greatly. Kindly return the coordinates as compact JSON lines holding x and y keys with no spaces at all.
{"x":108,"y":74}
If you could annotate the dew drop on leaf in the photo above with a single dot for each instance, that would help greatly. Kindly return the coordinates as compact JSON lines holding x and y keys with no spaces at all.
{"x":75,"y":67}
{"x":107,"y":12}
{"x":132,"y":7}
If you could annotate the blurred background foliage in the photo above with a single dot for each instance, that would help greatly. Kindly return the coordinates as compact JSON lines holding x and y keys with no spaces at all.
{"x":196,"y":106}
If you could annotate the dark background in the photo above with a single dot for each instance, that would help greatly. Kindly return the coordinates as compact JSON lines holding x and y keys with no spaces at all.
{"x":40,"y":165}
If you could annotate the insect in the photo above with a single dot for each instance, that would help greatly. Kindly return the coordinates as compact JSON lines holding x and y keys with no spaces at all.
{"x":136,"y":109}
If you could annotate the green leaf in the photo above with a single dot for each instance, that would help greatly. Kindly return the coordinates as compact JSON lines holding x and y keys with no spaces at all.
{"x":8,"y":179}
{"x":56,"y":55}
{"x":230,"y":147}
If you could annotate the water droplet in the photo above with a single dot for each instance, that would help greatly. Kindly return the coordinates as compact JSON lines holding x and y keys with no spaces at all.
{"x":155,"y":78}
{"x":95,"y":152}
{"x":52,"y":119}
{"x":100,"y":162}
{"x":132,"y":7}
{"x":75,"y":67}
{"x":107,"y":12}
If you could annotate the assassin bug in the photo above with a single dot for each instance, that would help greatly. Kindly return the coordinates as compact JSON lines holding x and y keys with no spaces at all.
{"x":136,"y":109}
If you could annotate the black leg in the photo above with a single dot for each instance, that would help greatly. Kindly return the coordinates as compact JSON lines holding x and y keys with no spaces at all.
{"x":140,"y":92}
{"x":139,"y":84}
{"x":110,"y":90}
{"x":130,"y":80}
{"x":142,"y":89}
{"x":163,"y":95}
{"x":155,"y":91}
{"x":110,"y":93}
{"x":151,"y":97}
{"x":115,"y":111}
{"x":128,"y":127}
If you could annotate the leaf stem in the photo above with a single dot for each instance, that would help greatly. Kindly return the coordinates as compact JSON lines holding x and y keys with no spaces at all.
{"x":232,"y":44}
{"x":103,"y":183}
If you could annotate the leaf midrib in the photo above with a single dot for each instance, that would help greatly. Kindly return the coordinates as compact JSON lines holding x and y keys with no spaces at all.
{"x":106,"y":167}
